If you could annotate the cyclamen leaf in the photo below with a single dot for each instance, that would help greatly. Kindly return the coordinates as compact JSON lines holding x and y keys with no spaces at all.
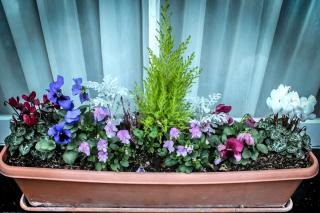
{"x":70,"y":157}
{"x":262,"y":148}
{"x":246,"y":153}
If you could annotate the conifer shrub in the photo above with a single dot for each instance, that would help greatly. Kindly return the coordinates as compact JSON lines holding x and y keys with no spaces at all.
{"x":162,"y":104}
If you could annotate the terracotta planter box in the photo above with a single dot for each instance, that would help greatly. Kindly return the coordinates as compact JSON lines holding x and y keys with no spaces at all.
{"x":59,"y":187}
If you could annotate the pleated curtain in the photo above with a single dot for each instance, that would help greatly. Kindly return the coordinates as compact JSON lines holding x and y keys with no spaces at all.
{"x":245,"y":47}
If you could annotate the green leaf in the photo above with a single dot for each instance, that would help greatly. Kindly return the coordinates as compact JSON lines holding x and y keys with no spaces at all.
{"x":170,"y":162}
{"x":114,"y":146}
{"x":115,"y":166}
{"x":82,"y":137}
{"x":124,"y":163}
{"x":246,"y":153}
{"x":21,"y":131}
{"x":153,"y":133}
{"x":17,"y":140}
{"x":254,"y":155}
{"x":229,"y":131}
{"x":98,"y":166}
{"x":138,"y":133}
{"x":184,"y":169}
{"x":72,"y":146}
{"x":262,"y":148}
{"x":214,"y":140}
{"x":70,"y":157}
{"x":25,"y":148}
{"x":162,"y":152}
{"x":45,"y":145}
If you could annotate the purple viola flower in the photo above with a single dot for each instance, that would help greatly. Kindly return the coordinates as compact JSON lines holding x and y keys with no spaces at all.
{"x":217,"y":161}
{"x":72,"y":117}
{"x":100,"y":113}
{"x":56,"y":97}
{"x":102,"y":145}
{"x":84,"y":147}
{"x":59,"y":134}
{"x":181,"y":151}
{"x":110,"y":129}
{"x":54,"y":89}
{"x":195,"y":129}
{"x":169,"y":146}
{"x":174,"y":133}
{"x":102,"y":156}
{"x":78,"y":89}
{"x":189,"y":149}
{"x":195,"y":132}
{"x":140,"y":170}
{"x":124,"y":136}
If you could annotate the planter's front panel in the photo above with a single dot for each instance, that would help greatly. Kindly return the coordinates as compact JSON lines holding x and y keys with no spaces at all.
{"x":61,"y":193}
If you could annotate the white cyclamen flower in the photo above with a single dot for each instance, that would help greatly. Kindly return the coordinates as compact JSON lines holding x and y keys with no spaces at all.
{"x":306,"y":107}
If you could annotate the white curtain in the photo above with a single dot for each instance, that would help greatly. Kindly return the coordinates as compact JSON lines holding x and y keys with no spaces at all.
{"x":245,"y":47}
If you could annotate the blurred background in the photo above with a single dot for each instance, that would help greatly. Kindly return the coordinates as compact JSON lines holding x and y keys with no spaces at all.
{"x":245,"y":48}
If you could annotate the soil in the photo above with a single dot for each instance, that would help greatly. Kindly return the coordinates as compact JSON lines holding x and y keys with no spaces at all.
{"x":267,"y":162}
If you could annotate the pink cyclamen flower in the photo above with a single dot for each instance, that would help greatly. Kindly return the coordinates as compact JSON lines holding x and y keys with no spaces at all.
{"x":233,"y":148}
{"x":124,"y":136}
{"x":223,"y":108}
{"x":102,"y":145}
{"x":102,"y":156}
{"x":250,"y":122}
{"x":110,"y":129}
{"x":84,"y":147}
{"x":174,"y":133}
{"x":100,"y":113}
{"x":169,"y":145}
{"x":246,"y":137}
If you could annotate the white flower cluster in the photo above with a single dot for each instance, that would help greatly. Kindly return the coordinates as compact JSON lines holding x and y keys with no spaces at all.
{"x":202,"y":106}
{"x":109,"y":93}
{"x":283,"y":101}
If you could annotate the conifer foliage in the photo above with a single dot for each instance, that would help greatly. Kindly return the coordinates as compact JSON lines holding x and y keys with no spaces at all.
{"x":162,"y":104}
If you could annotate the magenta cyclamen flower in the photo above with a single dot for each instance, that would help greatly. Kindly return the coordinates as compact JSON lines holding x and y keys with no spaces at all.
{"x":84,"y":147}
{"x":169,"y":146}
{"x":100,"y":113}
{"x":174,"y":133}
{"x":233,"y":148}
{"x":102,"y":145}
{"x":223,"y":108}
{"x":246,"y":137}
{"x":250,"y":122}
{"x":110,"y":129}
{"x":195,"y":129}
{"x":124,"y":136}
{"x":102,"y":156}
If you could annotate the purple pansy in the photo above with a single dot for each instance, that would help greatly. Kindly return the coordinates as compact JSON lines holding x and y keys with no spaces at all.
{"x":78,"y":89}
{"x":59,"y":134}
{"x":102,"y":145}
{"x":110,"y":129}
{"x":72,"y":116}
{"x":56,"y":97}
{"x":174,"y":133}
{"x":84,"y":147}
{"x":100,"y":113}
{"x":169,"y":145}
{"x":124,"y":136}
{"x":181,"y":151}
{"x":102,"y":156}
{"x":195,"y":129}
{"x":246,"y":137}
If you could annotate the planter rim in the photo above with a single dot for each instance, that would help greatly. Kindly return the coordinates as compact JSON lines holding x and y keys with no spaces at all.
{"x":158,"y":178}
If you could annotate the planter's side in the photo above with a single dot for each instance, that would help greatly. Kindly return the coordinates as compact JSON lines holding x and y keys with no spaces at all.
{"x":58,"y":193}
{"x":58,"y":187}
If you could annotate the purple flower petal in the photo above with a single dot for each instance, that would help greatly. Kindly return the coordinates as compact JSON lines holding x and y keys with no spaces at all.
{"x":169,"y":146}
{"x":124,"y":136}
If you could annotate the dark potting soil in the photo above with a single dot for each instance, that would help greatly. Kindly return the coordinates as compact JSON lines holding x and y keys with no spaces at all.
{"x":153,"y":164}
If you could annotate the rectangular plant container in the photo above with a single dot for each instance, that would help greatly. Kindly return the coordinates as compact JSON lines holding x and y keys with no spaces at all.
{"x":79,"y":188}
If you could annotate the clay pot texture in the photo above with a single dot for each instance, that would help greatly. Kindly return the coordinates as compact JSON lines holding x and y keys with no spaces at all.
{"x":79,"y":188}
